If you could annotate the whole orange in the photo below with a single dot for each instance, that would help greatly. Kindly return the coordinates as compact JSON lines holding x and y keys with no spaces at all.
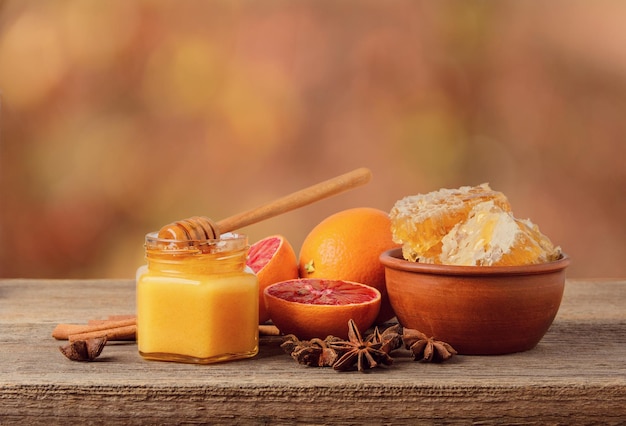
{"x":347,"y":246}
{"x":273,"y":259}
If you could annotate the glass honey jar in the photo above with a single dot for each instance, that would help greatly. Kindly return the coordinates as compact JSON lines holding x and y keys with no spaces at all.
{"x":197,"y":301}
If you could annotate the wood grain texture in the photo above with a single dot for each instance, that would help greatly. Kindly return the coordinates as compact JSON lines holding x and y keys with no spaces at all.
{"x":576,"y":375}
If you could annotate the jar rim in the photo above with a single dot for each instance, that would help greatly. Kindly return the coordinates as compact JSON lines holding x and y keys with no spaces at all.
{"x":227,"y":242}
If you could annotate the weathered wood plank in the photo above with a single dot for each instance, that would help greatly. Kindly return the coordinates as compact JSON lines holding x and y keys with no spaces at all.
{"x":576,"y":374}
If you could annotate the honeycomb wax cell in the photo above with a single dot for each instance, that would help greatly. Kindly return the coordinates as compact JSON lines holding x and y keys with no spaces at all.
{"x":491,"y":236}
{"x":419,"y":222}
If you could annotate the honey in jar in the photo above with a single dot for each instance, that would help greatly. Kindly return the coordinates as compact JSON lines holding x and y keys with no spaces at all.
{"x":197,"y":301}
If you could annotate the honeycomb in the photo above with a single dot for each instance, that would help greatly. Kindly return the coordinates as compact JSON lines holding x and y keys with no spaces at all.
{"x":467,"y":226}
{"x":419,"y":222}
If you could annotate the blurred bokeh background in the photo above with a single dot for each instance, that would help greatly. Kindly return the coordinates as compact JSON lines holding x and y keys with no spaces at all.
{"x":120,"y":116}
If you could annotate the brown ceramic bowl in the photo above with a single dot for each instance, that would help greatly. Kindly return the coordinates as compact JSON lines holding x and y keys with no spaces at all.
{"x":479,"y":310}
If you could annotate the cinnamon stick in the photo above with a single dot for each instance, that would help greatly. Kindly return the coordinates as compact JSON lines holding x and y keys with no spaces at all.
{"x":268,"y":330}
{"x":119,"y":327}
{"x":127,"y":332}
{"x":64,"y":331}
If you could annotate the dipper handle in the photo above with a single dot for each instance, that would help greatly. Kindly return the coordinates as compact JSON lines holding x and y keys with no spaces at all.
{"x":297,"y":199}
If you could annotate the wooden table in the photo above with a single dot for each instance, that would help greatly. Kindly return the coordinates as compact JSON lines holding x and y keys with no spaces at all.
{"x":577,"y":373}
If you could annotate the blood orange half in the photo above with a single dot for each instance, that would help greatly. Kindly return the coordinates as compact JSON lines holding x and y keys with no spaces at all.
{"x":311,"y":307}
{"x":273,"y":260}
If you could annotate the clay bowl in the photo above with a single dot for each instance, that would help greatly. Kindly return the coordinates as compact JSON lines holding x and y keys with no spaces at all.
{"x":479,"y":310}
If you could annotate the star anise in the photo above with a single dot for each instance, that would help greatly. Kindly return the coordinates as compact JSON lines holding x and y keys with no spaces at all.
{"x":84,"y":350}
{"x":391,"y":338}
{"x":426,"y":348}
{"x":314,"y":352}
{"x":364,"y":353}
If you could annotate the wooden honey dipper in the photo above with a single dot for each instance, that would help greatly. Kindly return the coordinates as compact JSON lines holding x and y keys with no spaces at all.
{"x":200,"y":228}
